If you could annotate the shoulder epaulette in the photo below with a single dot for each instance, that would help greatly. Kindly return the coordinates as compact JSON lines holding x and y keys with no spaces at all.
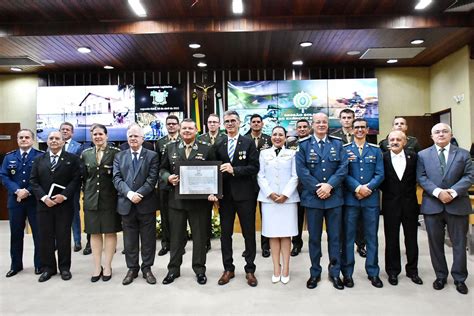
{"x":39,"y":150}
{"x":113,"y":147}
{"x":335,"y":137}
{"x":11,"y":152}
{"x":345,"y":145}
{"x":304,"y":138}
{"x":203,"y":142}
{"x":373,"y":145}
{"x":87,"y":149}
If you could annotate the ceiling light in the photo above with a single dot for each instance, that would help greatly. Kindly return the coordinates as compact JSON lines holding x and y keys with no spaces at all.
{"x":298,"y":63}
{"x":84,"y":50}
{"x":199,"y":55}
{"x":422,"y":4}
{"x":353,"y":52}
{"x":108,"y":67}
{"x":417,"y":42}
{"x":16,"y":69}
{"x":194,"y":45}
{"x":392,"y":61}
{"x":201,"y":64}
{"x":306,"y":44}
{"x":47,"y":61}
{"x":237,"y":7}
{"x":137,"y":7}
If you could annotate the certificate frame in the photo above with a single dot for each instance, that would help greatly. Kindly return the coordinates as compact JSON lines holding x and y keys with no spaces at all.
{"x":198,"y":163}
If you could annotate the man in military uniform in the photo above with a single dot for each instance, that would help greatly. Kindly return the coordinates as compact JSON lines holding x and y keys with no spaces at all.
{"x":172,"y":126}
{"x":400,"y":124}
{"x":361,"y":198}
{"x":262,"y":141}
{"x":197,"y":211}
{"x":321,"y":167}
{"x":303,"y":130}
{"x":15,"y":175}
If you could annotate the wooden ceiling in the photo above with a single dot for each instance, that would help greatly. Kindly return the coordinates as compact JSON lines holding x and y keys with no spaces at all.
{"x":267,"y":35}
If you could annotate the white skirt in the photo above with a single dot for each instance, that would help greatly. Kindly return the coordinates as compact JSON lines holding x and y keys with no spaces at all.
{"x":279,"y":220}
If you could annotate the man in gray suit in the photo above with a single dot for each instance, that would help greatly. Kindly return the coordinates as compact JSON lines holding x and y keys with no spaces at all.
{"x":445,"y":173}
{"x":135,"y":175}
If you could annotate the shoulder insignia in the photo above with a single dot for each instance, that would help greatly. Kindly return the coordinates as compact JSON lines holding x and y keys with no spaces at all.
{"x":301,"y":140}
{"x":39,"y":150}
{"x":11,"y":152}
{"x":373,"y":145}
{"x":335,"y":137}
{"x":348,"y":144}
{"x":88,"y":149}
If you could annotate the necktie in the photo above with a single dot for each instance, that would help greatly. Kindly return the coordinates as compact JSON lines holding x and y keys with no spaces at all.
{"x":135,"y":161}
{"x":442,"y":160}
{"x":256,"y":141}
{"x":277,"y":151}
{"x":54,"y":161}
{"x":187,"y":151}
{"x":231,"y":148}
{"x":321,"y":145}
{"x":99,"y":155}
{"x":23,"y":157}
{"x":213,"y":139}
{"x":360,"y":150}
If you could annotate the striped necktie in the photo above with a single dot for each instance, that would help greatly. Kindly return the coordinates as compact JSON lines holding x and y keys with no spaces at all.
{"x":54,"y":161}
{"x":231,"y":148}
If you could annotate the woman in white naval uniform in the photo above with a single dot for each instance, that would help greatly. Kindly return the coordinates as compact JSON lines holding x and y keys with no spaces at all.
{"x":278,"y":180}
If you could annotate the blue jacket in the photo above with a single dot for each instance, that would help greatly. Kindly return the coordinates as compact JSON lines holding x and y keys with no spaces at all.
{"x":314,"y":166}
{"x":363,"y":169}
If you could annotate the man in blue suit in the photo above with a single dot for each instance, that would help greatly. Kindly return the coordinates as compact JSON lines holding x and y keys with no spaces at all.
{"x":321,"y":167}
{"x":73,"y":147}
{"x":361,"y":198}
{"x":15,"y":176}
{"x":445,"y":173}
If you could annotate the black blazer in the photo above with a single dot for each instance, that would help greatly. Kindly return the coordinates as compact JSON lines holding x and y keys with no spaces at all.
{"x":242,"y":185}
{"x":66,"y":173}
{"x":399,"y":195}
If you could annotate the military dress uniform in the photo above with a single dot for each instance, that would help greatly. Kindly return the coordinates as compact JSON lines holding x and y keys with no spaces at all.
{"x":100,"y":195}
{"x":15,"y":175}
{"x":322,"y":163}
{"x":197,"y":211}
{"x":364,"y":168}
{"x":346,"y":138}
{"x":206,"y":138}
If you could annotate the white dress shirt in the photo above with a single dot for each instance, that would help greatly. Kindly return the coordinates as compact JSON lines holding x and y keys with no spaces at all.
{"x":399,"y":163}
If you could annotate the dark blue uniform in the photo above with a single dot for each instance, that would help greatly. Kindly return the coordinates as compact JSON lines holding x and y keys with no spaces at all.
{"x":314,"y":166}
{"x":15,"y":174}
{"x":365,"y":168}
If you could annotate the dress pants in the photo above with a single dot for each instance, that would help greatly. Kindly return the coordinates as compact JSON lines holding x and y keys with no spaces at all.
{"x":457,"y":230}
{"x":246,"y":211}
{"x":17,"y":217}
{"x":333,"y":217}
{"x":54,"y":225}
{"x":198,"y":220}
{"x":360,"y":240}
{"x":370,"y":217}
{"x":297,"y":240}
{"x":165,"y":220}
{"x":139,"y":230}
{"x":391,"y":223}
{"x":76,"y":220}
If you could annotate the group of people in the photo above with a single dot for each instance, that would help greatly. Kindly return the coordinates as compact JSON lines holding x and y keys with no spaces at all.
{"x":333,"y":178}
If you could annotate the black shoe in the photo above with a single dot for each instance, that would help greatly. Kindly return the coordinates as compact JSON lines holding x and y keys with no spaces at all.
{"x":295,"y":251}
{"x":337,"y":283}
{"x":392,"y":279}
{"x":66,"y":275}
{"x":149,"y":277}
{"x":131,"y":274}
{"x":170,"y":278}
{"x":106,"y":278}
{"x":45,"y":276}
{"x":77,"y":247}
{"x":313,"y":282}
{"x":96,"y":278}
{"x":12,"y":273}
{"x":244,"y":253}
{"x":163,"y":251}
{"x":362,"y":252}
{"x":438,"y":284}
{"x":415,"y":279}
{"x":201,"y":278}
{"x":348,"y":282}
{"x":461,"y":287}
{"x":37,"y":271}
{"x":265,"y":253}
{"x":87,"y":249}
{"x":375,"y":280}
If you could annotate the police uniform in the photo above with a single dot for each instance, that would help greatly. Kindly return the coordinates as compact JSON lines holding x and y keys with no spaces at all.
{"x":15,"y":175}
{"x":315,"y":165}
{"x":366,"y":168}
{"x":412,"y":144}
{"x":197,"y":211}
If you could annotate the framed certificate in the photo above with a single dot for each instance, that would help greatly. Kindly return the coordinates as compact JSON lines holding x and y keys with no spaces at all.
{"x":198,"y":179}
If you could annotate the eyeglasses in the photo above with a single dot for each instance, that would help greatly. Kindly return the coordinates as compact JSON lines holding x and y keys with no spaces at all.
{"x":360,"y":127}
{"x":232,"y":121}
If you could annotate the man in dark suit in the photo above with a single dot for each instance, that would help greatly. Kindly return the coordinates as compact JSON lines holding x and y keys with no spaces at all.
{"x":262,"y":141}
{"x":15,"y":176}
{"x":197,"y":211}
{"x":401,"y":208}
{"x":445,"y":173}
{"x":400,"y":124}
{"x":73,"y":147}
{"x":172,"y":126}
{"x":135,"y":175}
{"x":240,"y":165}
{"x":55,"y":207}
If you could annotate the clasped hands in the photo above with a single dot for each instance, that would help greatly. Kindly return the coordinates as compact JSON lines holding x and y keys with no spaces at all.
{"x":278,"y":198}
{"x":54,"y":200}
{"x":363,"y":192}
{"x":323,"y":190}
{"x":21,"y":194}
{"x":445,"y":196}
